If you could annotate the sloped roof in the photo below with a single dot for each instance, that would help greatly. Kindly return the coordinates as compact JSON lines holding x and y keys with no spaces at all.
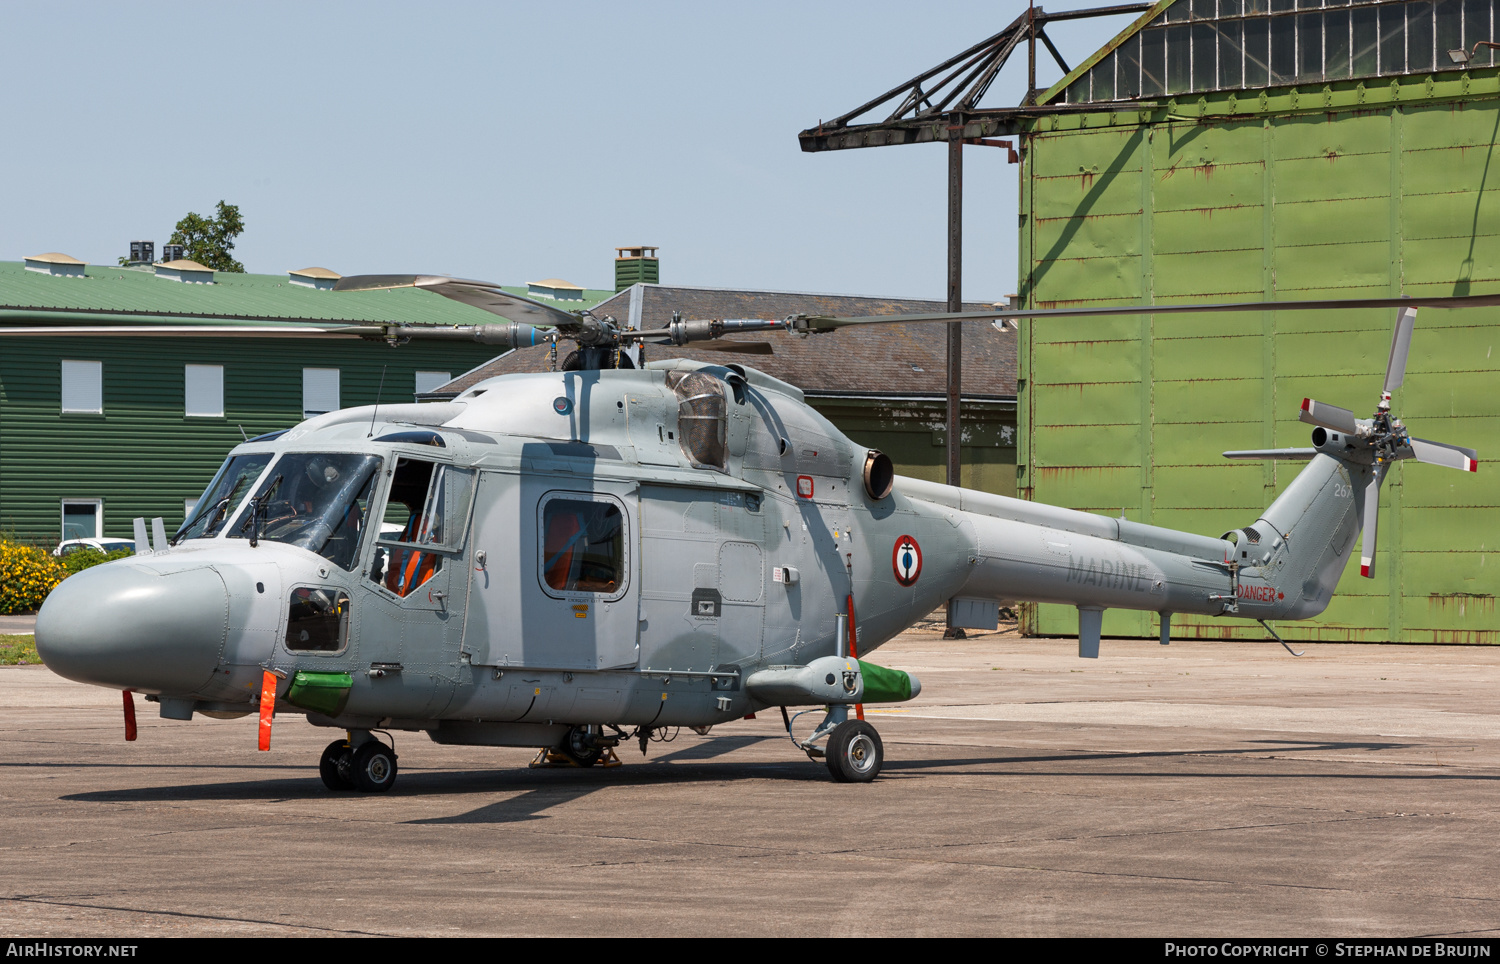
{"x":877,"y":361}
{"x":54,"y":257}
{"x":120,"y":295}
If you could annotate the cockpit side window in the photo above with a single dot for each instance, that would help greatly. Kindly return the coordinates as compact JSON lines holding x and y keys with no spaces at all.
{"x":427,"y":506}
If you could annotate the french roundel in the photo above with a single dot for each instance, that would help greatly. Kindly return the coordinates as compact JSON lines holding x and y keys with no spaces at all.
{"x":906,"y":560}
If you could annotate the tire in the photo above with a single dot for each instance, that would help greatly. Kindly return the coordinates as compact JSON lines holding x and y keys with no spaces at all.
{"x":335,"y":766}
{"x":374,"y":767}
{"x":854,"y":752}
{"x":575,"y":746}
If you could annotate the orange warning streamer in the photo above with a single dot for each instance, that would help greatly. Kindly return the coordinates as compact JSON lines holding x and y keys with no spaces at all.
{"x":267,"y":707}
{"x":859,"y":708}
{"x":129,"y":716}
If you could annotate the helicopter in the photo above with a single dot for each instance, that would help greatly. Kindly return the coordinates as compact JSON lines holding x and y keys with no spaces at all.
{"x":573,"y":559}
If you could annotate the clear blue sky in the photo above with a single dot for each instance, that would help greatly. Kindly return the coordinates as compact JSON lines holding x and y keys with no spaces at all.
{"x":505,"y":142}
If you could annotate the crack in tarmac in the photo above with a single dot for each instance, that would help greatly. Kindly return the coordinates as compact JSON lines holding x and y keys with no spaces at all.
{"x":56,"y":902}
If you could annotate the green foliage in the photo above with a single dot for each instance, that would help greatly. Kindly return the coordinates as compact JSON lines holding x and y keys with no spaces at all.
{"x":18,"y":650}
{"x":210,"y":241}
{"x":27,"y":574}
{"x":81,"y":559}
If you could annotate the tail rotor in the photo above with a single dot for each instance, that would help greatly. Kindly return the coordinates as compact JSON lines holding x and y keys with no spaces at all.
{"x":1382,"y":438}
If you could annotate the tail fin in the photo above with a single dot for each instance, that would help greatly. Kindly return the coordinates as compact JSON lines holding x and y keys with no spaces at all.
{"x":1290,"y":560}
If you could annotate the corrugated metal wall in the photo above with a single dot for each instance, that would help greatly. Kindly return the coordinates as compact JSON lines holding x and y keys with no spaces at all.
{"x":142,"y":456}
{"x":1132,"y":413}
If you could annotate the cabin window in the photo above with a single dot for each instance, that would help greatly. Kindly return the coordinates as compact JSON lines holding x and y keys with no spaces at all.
{"x":702,"y":418}
{"x":317,"y":620}
{"x":583,"y":545}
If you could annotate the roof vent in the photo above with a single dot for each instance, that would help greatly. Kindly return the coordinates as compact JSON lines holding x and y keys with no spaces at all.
{"x":189,"y":271}
{"x":636,"y":264}
{"x":56,"y":263}
{"x":554,"y":288}
{"x":320,"y":278}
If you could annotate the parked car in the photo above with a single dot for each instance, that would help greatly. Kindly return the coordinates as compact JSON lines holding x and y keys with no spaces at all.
{"x":106,"y":546}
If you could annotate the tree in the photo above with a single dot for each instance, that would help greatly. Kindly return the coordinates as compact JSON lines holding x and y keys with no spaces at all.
{"x":210,"y":241}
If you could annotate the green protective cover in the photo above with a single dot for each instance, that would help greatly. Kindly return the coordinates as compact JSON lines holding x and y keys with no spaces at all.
{"x":884,"y":685}
{"x":324,"y":693}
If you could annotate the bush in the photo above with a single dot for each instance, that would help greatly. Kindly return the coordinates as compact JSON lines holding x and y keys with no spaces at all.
{"x":27,"y":574}
{"x":81,"y":559}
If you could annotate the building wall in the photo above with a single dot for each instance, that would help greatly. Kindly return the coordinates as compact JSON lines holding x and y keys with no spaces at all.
{"x":142,"y":456}
{"x":1337,"y":192}
{"x":915,"y":436}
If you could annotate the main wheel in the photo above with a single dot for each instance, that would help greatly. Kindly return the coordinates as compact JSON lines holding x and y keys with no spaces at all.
{"x":576,"y":747}
{"x":334,"y":766}
{"x":374,"y":767}
{"x":854,"y":752}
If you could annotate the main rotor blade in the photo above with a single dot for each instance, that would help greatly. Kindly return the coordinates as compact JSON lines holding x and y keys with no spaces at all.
{"x":1330,"y":417}
{"x":1437,"y":453}
{"x":830,"y":323}
{"x":1285,"y":455}
{"x":480,"y":294}
{"x":743,"y":347}
{"x":1395,"y":367}
{"x":1372,"y":519}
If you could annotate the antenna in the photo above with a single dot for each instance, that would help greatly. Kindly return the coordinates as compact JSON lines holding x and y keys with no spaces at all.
{"x":378,"y":392}
{"x":242,"y":432}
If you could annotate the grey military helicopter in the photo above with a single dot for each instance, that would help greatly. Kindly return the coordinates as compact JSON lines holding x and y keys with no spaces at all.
{"x":577,"y":558}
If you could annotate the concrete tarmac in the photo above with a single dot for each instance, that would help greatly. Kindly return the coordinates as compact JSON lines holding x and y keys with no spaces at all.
{"x":1205,"y":789}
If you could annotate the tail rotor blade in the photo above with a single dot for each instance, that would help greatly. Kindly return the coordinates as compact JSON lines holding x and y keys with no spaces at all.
{"x":1395,"y":367}
{"x":1372,"y":518}
{"x":1330,"y":417}
{"x":1452,"y":456}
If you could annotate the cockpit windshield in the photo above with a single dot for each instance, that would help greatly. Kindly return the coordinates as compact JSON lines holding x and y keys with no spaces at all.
{"x":222,"y":496}
{"x":314,"y":500}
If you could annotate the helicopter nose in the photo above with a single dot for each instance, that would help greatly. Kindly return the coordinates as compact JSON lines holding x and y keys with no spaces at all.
{"x":125,"y":626}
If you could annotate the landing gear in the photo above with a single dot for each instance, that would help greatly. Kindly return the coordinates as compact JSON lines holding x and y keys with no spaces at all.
{"x":854,"y":752}
{"x":580,"y":748}
{"x":336,"y":766}
{"x":359,"y":763}
{"x":374,"y":767}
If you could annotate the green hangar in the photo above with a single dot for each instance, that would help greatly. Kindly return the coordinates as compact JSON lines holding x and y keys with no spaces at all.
{"x":1244,"y":150}
{"x":121,"y":388}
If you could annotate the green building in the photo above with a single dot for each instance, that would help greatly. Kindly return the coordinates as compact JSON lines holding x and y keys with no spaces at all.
{"x":111,"y":409}
{"x":1270,"y":149}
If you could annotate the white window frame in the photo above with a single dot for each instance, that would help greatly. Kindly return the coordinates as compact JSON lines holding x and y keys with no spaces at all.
{"x":203,"y":391}
{"x":433,"y":381}
{"x":86,"y":379}
{"x":62,"y":517}
{"x":314,"y":393}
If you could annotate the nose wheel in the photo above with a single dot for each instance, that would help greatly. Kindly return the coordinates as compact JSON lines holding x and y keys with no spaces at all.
{"x":851,"y":749}
{"x":854,"y":752}
{"x":369,"y":767}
